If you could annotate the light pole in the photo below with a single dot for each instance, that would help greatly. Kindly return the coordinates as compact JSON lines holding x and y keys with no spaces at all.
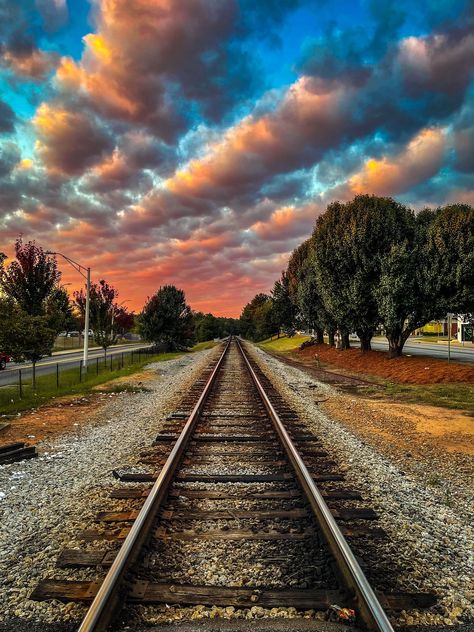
{"x":449,"y":336}
{"x":86,"y":274}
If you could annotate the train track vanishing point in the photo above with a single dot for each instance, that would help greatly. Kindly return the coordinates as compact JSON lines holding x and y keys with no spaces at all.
{"x":244,"y":472}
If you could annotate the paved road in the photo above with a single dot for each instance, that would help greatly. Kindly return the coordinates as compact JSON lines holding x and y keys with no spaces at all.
{"x":66,"y":360}
{"x":458,"y":354}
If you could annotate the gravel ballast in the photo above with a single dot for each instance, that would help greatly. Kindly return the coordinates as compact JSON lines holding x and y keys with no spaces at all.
{"x":430,"y":542}
{"x":45,"y":502}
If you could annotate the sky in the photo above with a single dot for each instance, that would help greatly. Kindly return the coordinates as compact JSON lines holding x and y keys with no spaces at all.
{"x":195,"y":142}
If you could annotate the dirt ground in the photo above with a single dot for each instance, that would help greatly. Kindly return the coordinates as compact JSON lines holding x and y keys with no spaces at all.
{"x":407,"y":370}
{"x":414,"y":427}
{"x":66,"y":413}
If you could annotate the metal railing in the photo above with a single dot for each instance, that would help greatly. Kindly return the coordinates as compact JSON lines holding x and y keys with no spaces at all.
{"x":18,"y":383}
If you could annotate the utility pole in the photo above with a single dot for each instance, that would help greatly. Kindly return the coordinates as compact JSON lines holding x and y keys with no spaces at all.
{"x":449,"y":336}
{"x":86,"y":274}
{"x":86,"y":319}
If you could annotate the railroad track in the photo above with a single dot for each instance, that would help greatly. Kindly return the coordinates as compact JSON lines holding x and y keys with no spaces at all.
{"x":233,"y":481}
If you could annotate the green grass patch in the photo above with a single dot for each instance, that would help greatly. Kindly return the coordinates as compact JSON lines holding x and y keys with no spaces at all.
{"x":69,"y":384}
{"x":283,"y":343}
{"x":202,"y":346}
{"x":457,"y":396}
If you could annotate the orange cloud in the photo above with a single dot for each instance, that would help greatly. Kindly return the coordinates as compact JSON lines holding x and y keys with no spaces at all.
{"x":418,"y":161}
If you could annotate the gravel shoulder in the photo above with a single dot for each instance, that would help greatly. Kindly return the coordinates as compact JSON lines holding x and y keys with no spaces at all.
{"x":45,"y":501}
{"x":430,"y":532}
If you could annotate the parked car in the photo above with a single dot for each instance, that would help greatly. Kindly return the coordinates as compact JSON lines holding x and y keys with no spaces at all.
{"x":4,"y":358}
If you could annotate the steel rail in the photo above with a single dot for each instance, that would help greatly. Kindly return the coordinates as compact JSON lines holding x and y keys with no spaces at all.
{"x":369,"y":609}
{"x":105,"y":605}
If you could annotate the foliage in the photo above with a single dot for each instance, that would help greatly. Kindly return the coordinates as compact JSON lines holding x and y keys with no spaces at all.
{"x":284,"y":310}
{"x":370,"y":263}
{"x":208,"y":326}
{"x":60,"y":311}
{"x":350,"y":241}
{"x":103,"y":312}
{"x":31,"y":278}
{"x":167,"y":320}
{"x":257,"y":320}
{"x":428,"y":274}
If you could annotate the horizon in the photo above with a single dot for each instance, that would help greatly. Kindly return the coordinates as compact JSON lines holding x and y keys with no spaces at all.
{"x":172,"y":143}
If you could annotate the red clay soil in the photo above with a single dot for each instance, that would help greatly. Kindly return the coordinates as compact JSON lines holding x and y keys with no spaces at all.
{"x":409,"y":370}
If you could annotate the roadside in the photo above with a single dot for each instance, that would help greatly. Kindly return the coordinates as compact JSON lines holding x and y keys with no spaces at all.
{"x":417,"y":380}
{"x":47,"y":502}
{"x":49,"y":413}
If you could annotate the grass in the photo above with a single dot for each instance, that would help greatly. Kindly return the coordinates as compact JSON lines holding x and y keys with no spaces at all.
{"x":47,"y":390}
{"x":283,"y":343}
{"x":456,"y":396}
{"x":202,"y":346}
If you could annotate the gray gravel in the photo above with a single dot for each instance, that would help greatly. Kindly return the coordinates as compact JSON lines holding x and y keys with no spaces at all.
{"x":430,"y":541}
{"x":46,"y":501}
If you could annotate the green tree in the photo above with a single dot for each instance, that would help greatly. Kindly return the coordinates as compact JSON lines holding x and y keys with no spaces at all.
{"x":284,"y":310}
{"x":30,"y":278}
{"x":60,"y":311}
{"x":23,"y":336}
{"x":257,"y":320}
{"x":351,"y":239}
{"x":429,"y":273}
{"x":104,"y":313}
{"x":207,"y":328}
{"x":167,"y":320}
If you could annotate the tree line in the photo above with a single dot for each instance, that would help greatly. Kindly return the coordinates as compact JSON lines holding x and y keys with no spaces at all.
{"x":35,"y":308}
{"x":372,"y":264}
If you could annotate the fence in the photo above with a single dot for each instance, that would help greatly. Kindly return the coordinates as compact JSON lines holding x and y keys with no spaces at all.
{"x":60,"y":376}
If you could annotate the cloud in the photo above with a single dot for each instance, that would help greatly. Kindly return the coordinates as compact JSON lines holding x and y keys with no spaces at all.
{"x":68,"y":142}
{"x":23,"y":58}
{"x":420,"y":160}
{"x":7,"y":117}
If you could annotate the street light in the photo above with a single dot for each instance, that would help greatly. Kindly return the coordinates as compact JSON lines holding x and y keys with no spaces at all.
{"x":86,"y":274}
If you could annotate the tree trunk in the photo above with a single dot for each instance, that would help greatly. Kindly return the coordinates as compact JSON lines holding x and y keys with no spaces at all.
{"x":331,"y":334}
{"x":345,"y":342}
{"x":396,"y":341}
{"x":365,"y":339}
{"x":34,"y":375}
{"x":319,"y":336}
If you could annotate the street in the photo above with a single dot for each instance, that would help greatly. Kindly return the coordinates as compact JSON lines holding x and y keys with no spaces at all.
{"x":440,"y":351}
{"x":66,"y":360}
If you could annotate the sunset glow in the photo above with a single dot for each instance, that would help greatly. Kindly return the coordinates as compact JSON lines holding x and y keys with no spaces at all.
{"x":195,"y":143}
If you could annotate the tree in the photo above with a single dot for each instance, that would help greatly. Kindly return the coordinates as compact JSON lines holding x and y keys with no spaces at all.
{"x":124,"y":320}
{"x":351,"y":240}
{"x":427,"y":274}
{"x":167,"y":320}
{"x":257,"y":320}
{"x":103,"y":312}
{"x":284,"y":310}
{"x":60,"y":311}
{"x":31,"y":278}
{"x":23,"y":336}
{"x":207,"y":328}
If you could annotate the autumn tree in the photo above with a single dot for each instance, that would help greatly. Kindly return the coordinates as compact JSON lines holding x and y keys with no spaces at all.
{"x":167,"y":320}
{"x":31,"y":278}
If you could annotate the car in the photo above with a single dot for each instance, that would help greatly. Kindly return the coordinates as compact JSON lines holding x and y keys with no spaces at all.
{"x":4,"y":358}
